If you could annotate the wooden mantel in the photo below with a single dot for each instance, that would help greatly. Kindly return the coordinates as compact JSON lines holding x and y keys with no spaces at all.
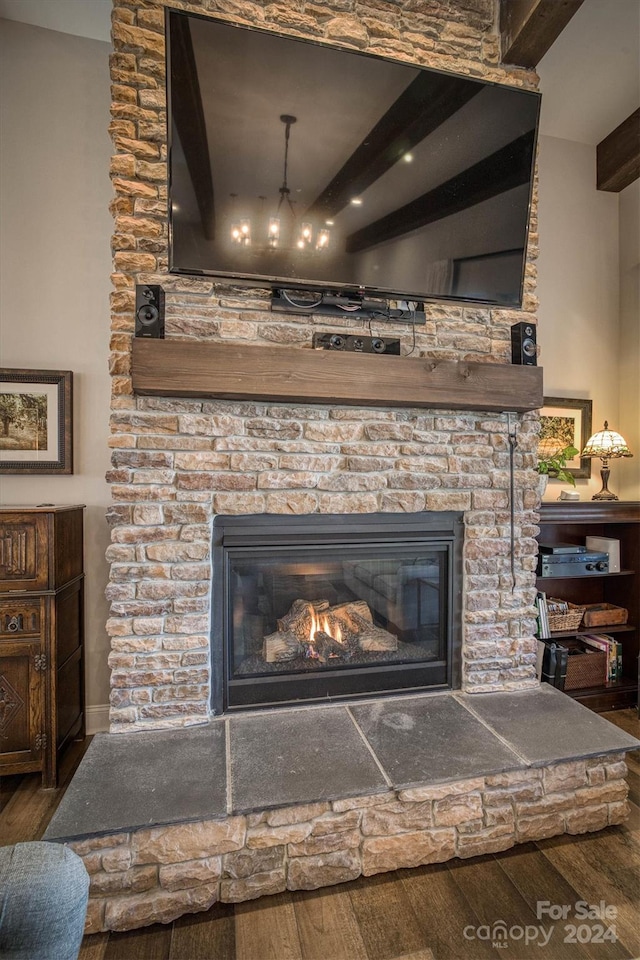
{"x":189,"y":368}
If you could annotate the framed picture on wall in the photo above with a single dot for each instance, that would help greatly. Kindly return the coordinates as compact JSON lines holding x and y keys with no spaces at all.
{"x":36,"y":421}
{"x":568,"y":422}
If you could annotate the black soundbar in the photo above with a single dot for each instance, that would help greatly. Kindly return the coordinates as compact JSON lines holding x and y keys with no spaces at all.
{"x":356,"y":343}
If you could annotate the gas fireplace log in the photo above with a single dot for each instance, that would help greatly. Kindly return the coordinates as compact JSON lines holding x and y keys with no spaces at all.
{"x":377,"y":640}
{"x":310,"y":627}
{"x":347,"y":615}
{"x":374,"y":639}
{"x":281,"y":646}
{"x":329,"y":649}
{"x":298,"y":619}
{"x":361,"y":624}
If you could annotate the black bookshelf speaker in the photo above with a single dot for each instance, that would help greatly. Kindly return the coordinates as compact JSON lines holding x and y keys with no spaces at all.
{"x":149,"y":311}
{"x":523,"y":344}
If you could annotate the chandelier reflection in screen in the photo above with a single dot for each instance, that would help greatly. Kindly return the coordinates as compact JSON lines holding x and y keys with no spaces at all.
{"x":302,"y":237}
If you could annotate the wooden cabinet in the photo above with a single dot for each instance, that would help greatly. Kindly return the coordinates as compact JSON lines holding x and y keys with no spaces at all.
{"x":41,"y":637}
{"x":572,"y":523}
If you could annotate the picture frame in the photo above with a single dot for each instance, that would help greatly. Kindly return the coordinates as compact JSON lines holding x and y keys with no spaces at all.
{"x":569,"y":420}
{"x":36,"y":421}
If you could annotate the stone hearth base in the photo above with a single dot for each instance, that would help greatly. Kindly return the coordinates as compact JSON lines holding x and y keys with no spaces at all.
{"x":156,"y":875}
{"x":253,"y":804}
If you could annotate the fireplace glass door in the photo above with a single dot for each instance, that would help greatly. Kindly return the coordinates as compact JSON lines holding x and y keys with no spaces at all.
{"x":309,"y":613}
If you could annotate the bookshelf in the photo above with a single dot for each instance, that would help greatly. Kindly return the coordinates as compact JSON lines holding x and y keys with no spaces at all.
{"x":567,"y":522}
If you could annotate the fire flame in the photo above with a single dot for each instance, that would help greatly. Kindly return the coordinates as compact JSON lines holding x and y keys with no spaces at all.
{"x":322,"y":625}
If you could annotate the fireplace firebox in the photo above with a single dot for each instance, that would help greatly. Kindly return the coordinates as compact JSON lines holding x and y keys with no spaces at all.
{"x":329,"y":606}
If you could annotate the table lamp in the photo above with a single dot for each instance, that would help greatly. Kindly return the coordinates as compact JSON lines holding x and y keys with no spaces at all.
{"x":608,"y":445}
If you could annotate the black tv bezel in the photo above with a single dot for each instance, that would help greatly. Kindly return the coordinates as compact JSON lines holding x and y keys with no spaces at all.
{"x":334,"y":287}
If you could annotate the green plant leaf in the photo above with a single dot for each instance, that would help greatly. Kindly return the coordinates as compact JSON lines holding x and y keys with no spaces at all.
{"x":554,"y":466}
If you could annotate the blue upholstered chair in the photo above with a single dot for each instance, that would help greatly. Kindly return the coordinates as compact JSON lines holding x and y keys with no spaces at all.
{"x":44,"y":889}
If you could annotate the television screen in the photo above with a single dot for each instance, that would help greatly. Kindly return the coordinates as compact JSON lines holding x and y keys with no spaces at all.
{"x":305,"y":166}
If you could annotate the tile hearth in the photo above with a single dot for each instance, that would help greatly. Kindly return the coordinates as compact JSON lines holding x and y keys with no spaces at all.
{"x":242,"y":764}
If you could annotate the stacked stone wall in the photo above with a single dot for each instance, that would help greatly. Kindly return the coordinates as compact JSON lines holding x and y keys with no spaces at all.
{"x":156,"y":874}
{"x":177,"y":463}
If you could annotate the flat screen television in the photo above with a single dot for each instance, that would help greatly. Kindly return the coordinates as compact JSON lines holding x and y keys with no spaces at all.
{"x":309,"y":167}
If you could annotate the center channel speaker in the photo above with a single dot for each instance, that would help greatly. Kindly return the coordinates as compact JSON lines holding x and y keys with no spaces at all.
{"x":149,"y":311}
{"x":523,"y":344}
{"x":356,"y":344}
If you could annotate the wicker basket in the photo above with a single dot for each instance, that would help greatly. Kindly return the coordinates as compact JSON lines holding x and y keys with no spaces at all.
{"x":565,"y":621}
{"x":585,"y":667}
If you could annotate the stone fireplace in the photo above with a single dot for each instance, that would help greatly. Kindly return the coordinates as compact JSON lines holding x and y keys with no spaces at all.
{"x":179,"y":462}
{"x":217,"y":458}
{"x":247,"y":532}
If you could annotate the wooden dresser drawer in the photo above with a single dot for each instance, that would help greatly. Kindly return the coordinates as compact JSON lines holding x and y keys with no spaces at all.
{"x":20,"y":618}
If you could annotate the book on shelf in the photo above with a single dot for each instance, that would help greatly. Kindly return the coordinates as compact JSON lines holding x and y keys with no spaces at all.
{"x":613,"y":650}
{"x":542,"y":617}
{"x":619,"y":646}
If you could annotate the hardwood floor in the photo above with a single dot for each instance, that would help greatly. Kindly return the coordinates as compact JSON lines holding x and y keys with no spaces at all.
{"x":440,"y":912}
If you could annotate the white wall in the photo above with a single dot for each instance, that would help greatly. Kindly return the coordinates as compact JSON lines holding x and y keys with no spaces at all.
{"x":584,"y":346}
{"x":55,"y":262}
{"x":628,"y":471}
